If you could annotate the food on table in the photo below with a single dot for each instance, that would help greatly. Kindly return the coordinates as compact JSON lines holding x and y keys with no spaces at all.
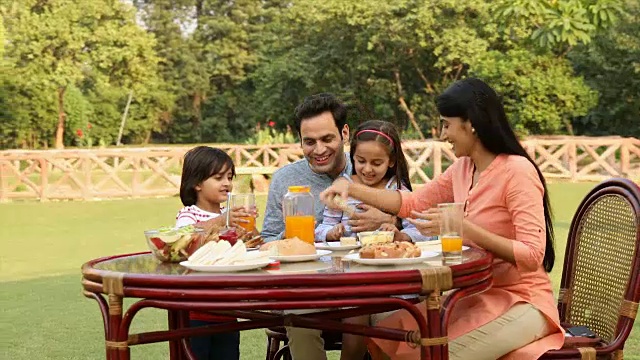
{"x":221,"y":253}
{"x":254,"y":242}
{"x":288,"y":247}
{"x":212,"y":230}
{"x":375,"y":237}
{"x":230,"y":235}
{"x":348,"y":241}
{"x":395,"y":250}
{"x":174,"y":244}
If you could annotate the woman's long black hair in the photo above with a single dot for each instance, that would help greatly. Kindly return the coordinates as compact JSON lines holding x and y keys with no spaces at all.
{"x":473,"y":100}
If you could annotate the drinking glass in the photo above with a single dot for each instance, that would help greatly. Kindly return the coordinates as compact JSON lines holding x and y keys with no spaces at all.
{"x":451,"y":216}
{"x":248,"y":202}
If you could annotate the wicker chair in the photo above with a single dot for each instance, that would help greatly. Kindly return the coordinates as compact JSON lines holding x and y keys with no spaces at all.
{"x":600,"y":286}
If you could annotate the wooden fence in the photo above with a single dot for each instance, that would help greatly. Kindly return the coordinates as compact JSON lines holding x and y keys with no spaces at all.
{"x":155,"y":171}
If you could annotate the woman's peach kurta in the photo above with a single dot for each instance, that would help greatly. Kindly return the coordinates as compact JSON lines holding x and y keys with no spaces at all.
{"x":508,"y":201}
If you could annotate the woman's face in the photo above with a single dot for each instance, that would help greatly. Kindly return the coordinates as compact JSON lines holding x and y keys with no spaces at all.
{"x":458,"y":133}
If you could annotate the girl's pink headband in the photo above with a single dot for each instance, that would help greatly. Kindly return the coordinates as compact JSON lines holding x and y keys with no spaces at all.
{"x":376,"y":132}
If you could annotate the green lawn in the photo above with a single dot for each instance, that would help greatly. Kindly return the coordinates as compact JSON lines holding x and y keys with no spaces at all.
{"x":43,"y":314}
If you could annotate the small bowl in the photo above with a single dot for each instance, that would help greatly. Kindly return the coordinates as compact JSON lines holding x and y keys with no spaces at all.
{"x":375,"y":237}
{"x":175,"y":245}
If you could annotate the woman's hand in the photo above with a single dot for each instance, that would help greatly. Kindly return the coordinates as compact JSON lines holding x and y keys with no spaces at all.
{"x":427,"y":222}
{"x":336,"y":232}
{"x":340,"y":187}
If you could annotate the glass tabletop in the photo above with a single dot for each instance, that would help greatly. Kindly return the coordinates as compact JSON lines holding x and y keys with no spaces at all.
{"x":335,"y":262}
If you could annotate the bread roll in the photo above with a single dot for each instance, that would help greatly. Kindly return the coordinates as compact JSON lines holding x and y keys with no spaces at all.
{"x":288,"y":247}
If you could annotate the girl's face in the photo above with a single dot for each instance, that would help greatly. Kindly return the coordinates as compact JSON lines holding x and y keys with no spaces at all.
{"x":214,"y":190}
{"x":371,"y":163}
{"x":458,"y":133}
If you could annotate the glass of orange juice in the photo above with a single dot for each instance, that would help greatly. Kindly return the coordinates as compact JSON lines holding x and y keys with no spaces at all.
{"x":451,"y":216}
{"x":248,"y":202}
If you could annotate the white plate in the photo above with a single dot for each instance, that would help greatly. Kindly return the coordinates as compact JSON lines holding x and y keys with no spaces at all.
{"x":226,"y":268}
{"x":299,"y":258}
{"x":395,"y":261}
{"x":335,"y":245}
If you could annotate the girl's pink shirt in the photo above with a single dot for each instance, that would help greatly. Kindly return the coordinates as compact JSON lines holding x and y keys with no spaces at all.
{"x":508,"y":201}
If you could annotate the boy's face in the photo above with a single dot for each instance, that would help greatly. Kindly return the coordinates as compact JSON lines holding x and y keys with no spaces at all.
{"x":323,"y":144}
{"x":216,"y":188}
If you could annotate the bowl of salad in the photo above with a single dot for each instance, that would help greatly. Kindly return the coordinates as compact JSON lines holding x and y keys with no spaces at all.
{"x":175,"y":244}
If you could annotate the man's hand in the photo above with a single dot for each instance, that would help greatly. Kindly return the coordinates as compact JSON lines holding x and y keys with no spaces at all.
{"x":369,"y":219}
{"x":427,"y":222}
{"x":336,"y":232}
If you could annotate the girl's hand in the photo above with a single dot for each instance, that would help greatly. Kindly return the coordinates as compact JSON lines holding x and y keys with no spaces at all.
{"x":340,"y":187}
{"x":389,"y":227}
{"x":239,"y":214}
{"x":397,"y":234}
{"x":427,"y":222}
{"x":211,"y":223}
{"x":336,"y":232}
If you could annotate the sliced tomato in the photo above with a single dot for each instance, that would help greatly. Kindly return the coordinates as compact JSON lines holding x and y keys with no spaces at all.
{"x":159,"y":244}
{"x":194,"y":245}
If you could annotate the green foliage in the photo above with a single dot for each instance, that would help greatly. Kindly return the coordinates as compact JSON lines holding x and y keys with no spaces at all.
{"x":413,"y":50}
{"x":211,"y":70}
{"x":538,"y":95}
{"x":611,"y":64}
{"x":55,"y":46}
{"x":559,"y":23}
{"x":270,"y":135}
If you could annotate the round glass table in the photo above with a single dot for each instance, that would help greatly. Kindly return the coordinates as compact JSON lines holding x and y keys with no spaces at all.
{"x":331,"y":288}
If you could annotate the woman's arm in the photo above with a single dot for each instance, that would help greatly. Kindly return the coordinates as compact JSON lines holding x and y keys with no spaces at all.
{"x":498,"y":245}
{"x":436,"y":191}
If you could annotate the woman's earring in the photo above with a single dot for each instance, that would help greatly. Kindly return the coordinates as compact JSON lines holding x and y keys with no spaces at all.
{"x":473,"y":130}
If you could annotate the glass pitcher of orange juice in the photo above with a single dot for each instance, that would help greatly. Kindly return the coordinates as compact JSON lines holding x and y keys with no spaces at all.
{"x":299,"y":215}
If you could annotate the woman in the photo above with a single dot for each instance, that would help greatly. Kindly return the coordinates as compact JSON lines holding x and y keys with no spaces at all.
{"x":506,"y":212}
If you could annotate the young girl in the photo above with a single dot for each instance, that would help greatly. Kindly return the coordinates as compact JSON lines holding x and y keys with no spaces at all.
{"x":207,"y":176}
{"x":378,"y":162}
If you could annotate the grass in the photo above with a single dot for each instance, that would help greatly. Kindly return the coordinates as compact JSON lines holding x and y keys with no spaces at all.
{"x":42,"y":312}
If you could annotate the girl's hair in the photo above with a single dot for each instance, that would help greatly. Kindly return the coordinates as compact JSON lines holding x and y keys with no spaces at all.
{"x":473,"y":100}
{"x":201,"y":163}
{"x":386,"y":134}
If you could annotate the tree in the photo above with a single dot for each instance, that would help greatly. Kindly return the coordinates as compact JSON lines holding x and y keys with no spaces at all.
{"x":391,"y":59}
{"x":557,"y":25}
{"x":56,"y":44}
{"x":610,"y":64}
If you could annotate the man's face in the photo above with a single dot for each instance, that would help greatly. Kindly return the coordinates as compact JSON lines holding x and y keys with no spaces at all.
{"x":322,"y":144}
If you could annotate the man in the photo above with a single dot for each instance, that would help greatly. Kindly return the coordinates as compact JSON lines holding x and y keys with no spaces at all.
{"x":320,"y":122}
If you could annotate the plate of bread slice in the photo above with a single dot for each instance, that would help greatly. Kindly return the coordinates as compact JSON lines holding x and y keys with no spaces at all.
{"x":393,"y":253}
{"x":292,"y":250}
{"x":220,"y":256}
{"x":345,"y":243}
